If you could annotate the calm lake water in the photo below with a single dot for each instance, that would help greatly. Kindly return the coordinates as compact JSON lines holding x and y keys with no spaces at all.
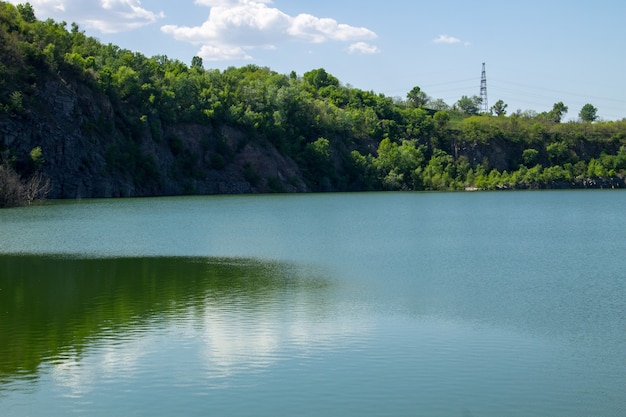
{"x":381,"y":304}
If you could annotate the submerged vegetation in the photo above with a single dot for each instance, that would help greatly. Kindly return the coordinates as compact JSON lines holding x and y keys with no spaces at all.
{"x":341,"y":138}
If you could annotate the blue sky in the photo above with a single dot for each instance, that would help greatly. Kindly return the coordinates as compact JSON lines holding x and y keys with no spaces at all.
{"x":536,"y":52}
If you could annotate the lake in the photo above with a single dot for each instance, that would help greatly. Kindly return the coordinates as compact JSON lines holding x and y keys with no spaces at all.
{"x":368,"y":304}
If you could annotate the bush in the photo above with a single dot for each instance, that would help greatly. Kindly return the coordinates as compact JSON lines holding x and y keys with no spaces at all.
{"x":530,"y":157}
{"x":14,"y":191}
{"x":11,"y":187}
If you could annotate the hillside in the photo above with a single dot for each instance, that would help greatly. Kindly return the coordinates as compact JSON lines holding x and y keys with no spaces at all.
{"x":101,"y":121}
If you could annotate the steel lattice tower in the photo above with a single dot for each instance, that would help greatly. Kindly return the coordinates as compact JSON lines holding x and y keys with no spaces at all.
{"x":484,"y":106}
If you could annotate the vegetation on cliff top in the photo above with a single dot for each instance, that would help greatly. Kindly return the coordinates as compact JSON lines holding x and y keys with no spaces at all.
{"x":341,"y":138}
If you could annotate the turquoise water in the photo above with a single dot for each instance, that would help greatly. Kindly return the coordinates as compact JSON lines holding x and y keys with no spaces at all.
{"x":437,"y":304}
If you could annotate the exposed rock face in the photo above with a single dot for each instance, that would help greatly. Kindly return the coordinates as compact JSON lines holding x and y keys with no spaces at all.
{"x":91,"y":150}
{"x":506,"y":156}
{"x":500,"y":156}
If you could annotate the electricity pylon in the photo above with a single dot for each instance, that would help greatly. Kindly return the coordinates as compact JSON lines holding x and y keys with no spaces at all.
{"x":484,"y":106}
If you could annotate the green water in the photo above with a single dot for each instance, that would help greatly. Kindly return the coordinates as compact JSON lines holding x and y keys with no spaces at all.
{"x":437,"y":304}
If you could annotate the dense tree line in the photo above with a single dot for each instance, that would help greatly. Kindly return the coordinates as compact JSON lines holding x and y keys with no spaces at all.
{"x":342,"y":138}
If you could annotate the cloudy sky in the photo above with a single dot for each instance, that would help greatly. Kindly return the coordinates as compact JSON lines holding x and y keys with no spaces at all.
{"x":536,"y":52}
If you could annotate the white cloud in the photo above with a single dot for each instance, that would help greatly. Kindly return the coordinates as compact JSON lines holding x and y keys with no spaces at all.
{"x":446,"y":39}
{"x":242,"y":24}
{"x":319,"y":30}
{"x":223,"y":53}
{"x":363,"y":48}
{"x":228,"y":3}
{"x":237,"y":26}
{"x":106,"y":16}
{"x":44,"y":7}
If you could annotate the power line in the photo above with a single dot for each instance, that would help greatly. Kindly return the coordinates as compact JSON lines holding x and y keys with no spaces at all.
{"x":567,"y":93}
{"x":522,"y":94}
{"x":449,"y":82}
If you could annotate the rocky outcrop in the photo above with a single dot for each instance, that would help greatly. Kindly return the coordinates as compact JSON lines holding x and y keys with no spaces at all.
{"x":499,"y":155}
{"x":93,"y":149}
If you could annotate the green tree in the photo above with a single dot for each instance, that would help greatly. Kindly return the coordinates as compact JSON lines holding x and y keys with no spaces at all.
{"x":530,"y":156}
{"x":27,"y":12}
{"x":440,"y":172}
{"x":127,"y":82}
{"x":319,"y":165}
{"x":36,"y":156}
{"x":558,"y":152}
{"x":499,"y":109}
{"x":469,"y":106}
{"x":319,"y":78}
{"x":559,"y":110}
{"x":400,"y":165}
{"x":588,"y":113}
{"x":441,"y":119}
{"x":196,"y":62}
{"x":16,"y":102}
{"x":417,"y":97}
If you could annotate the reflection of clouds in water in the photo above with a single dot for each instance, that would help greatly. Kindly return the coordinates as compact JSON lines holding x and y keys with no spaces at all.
{"x":224,"y":339}
{"x":78,"y":374}
{"x":121,"y":361}
{"x":237,"y":340}
{"x":242,"y":341}
{"x":71,"y":374}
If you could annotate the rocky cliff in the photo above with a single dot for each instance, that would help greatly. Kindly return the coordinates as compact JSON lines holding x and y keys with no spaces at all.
{"x":93,"y":148}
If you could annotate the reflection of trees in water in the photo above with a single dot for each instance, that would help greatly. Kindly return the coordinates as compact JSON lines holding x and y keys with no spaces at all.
{"x":54,"y":305}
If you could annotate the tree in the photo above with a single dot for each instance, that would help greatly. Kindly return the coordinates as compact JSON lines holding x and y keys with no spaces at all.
{"x":530,"y":157}
{"x":417,"y":97}
{"x":319,"y":78}
{"x":499,"y":108}
{"x":438,"y":104}
{"x":27,"y":12}
{"x":318,"y":164}
{"x":469,"y":106}
{"x":588,"y":113}
{"x":558,"y":111}
{"x":36,"y":157}
{"x":399,"y":165}
{"x":126,"y":81}
{"x":196,"y":62}
{"x":441,"y":119}
{"x":558,"y":152}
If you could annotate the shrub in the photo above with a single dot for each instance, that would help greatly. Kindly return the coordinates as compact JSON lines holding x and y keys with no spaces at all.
{"x":11,"y":187}
{"x":15,"y":191}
